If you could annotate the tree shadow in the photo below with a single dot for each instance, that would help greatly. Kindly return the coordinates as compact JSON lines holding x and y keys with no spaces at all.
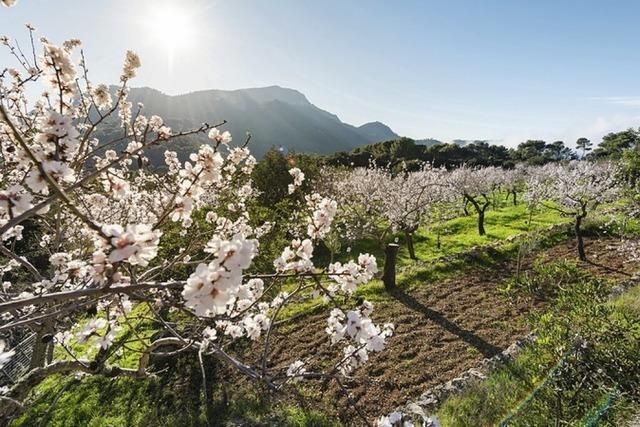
{"x":608,"y":269}
{"x":487,"y":349}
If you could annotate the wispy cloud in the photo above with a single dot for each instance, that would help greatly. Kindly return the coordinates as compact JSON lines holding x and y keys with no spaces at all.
{"x":627,"y":101}
{"x":600,"y":126}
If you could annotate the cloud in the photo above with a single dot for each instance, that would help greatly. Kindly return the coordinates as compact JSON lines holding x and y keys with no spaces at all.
{"x":600,"y":126}
{"x":627,"y":101}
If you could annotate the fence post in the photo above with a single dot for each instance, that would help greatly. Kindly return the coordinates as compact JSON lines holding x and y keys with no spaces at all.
{"x":390,"y":255}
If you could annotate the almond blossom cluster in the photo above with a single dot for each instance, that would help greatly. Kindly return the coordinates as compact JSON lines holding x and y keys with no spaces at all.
{"x":351,"y":274}
{"x":362,"y":335}
{"x":324,"y":211}
{"x":298,"y":179}
{"x":213,"y":288}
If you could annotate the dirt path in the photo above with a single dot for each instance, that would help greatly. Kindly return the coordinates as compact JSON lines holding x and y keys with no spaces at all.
{"x":442,"y":329}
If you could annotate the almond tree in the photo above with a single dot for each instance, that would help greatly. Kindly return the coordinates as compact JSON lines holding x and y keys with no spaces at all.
{"x":514,"y":181}
{"x":359,"y":193}
{"x":575,"y":189}
{"x":108,"y":224}
{"x":375,"y":203}
{"x":411,"y":196}
{"x":474,"y":186}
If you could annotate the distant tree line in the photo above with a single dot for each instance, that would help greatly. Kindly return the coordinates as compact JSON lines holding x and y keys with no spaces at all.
{"x":271,"y":174}
{"x":615,"y":145}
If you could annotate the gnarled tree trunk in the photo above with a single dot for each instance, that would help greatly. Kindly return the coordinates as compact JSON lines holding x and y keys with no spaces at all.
{"x":389,"y":276}
{"x":481,"y":211}
{"x":44,"y":340}
{"x":408,"y":233}
{"x":578,"y":231}
{"x":481,"y":229}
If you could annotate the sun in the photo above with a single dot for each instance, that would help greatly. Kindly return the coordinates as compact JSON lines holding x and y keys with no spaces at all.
{"x":171,"y":28}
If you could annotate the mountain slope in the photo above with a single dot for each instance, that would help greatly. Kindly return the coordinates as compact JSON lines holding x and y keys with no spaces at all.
{"x":376,"y":132}
{"x":274,"y":116}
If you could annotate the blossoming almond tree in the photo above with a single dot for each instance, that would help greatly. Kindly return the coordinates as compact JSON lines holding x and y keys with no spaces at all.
{"x":106,"y":225}
{"x":514,"y":181}
{"x":410,"y":196}
{"x":574,"y":189}
{"x":359,"y":193}
{"x":474,"y":186}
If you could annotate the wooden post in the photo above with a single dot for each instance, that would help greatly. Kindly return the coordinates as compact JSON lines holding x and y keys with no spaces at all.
{"x":390,"y":255}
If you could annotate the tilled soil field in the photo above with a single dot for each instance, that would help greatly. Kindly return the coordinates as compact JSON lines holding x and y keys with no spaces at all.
{"x":442,"y":329}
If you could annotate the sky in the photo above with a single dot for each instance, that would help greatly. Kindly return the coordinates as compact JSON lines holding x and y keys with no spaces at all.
{"x":504,"y":71}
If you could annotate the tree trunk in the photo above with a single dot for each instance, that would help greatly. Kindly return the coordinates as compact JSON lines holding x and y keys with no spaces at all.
{"x":38,"y":357}
{"x":578,"y":230}
{"x":40,"y":346}
{"x":390,"y":255}
{"x":515,"y":199}
{"x":480,"y":210}
{"x":481,"y":230}
{"x":409,"y":238}
{"x":50,"y":353}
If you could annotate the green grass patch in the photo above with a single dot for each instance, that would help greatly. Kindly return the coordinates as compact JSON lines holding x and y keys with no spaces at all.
{"x":175,"y":398}
{"x":461,"y":234}
{"x":590,"y":346}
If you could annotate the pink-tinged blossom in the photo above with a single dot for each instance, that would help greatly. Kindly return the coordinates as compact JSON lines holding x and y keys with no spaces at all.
{"x":298,"y":179}
{"x":352,"y":274}
{"x":323,"y":212}
{"x":102,"y":97}
{"x":136,"y":244}
{"x":15,"y":200}
{"x":212,"y":288}
{"x":296,"y":257}
{"x":220,"y":137}
{"x":131,"y":65}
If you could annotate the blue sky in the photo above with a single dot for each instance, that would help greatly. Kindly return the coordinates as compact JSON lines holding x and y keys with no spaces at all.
{"x":500,"y":70}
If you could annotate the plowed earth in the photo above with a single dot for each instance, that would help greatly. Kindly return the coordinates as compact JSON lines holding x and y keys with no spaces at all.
{"x":442,"y":329}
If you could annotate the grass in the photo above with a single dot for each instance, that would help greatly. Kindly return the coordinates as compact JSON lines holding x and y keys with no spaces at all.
{"x":136,"y":335}
{"x":510,"y":389}
{"x":485,"y":403}
{"x":461,"y":233}
{"x":502,"y":223}
{"x":629,"y":300}
{"x":175,"y":398}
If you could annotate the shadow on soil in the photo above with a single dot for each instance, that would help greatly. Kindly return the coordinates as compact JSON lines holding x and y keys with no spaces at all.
{"x":484,"y":347}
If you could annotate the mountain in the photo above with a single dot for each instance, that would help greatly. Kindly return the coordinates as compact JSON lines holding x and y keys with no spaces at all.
{"x":376,"y":131}
{"x":275,"y":117}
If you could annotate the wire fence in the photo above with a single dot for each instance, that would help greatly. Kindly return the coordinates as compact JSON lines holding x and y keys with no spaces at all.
{"x":19,"y":363}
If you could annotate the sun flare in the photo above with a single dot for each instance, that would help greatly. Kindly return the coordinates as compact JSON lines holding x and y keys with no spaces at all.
{"x":171,"y":27}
